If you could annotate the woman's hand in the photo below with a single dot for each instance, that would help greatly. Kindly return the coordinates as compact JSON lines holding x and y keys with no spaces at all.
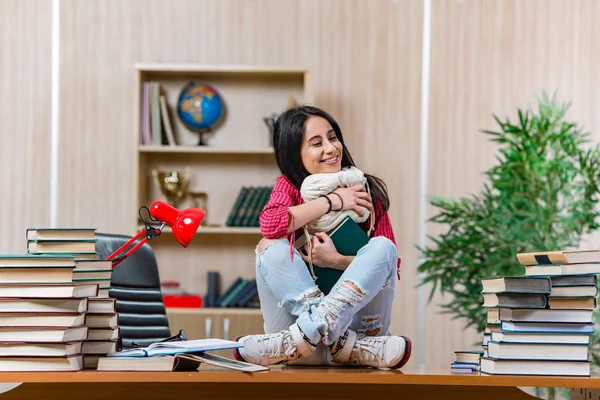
{"x":351,"y":198}
{"x":324,"y":253}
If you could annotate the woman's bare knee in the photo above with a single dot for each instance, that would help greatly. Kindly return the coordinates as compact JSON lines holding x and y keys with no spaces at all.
{"x":264,"y":243}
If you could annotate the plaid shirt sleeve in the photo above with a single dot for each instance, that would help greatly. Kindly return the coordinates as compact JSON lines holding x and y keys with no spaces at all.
{"x":383,"y":227}
{"x":274,"y":220}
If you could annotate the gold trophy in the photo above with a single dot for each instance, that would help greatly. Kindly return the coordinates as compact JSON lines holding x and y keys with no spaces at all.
{"x":172,"y":184}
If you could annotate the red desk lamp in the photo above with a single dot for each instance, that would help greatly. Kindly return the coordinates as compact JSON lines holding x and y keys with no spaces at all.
{"x":184,"y":223}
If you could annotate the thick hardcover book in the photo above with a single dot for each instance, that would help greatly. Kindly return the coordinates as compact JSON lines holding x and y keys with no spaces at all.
{"x":516,"y":284}
{"x":348,"y":238}
{"x":514,"y":300}
{"x":177,"y":362}
{"x":559,"y":257}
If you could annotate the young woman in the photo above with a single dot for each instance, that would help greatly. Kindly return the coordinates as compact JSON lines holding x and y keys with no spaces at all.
{"x":350,"y":325}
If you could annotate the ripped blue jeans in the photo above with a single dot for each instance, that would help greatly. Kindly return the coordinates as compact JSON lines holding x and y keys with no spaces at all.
{"x":288,"y":293}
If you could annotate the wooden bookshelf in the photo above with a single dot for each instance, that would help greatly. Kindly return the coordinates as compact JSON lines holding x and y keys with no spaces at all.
{"x":164,"y":149}
{"x":219,"y":230}
{"x":238,"y":153}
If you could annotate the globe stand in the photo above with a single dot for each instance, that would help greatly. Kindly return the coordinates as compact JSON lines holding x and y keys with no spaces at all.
{"x":201,"y":134}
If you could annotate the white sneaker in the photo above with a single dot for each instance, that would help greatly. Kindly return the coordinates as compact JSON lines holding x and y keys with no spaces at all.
{"x":383,"y":352}
{"x":273,"y":348}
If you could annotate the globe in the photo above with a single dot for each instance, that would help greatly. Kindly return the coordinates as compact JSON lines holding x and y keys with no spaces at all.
{"x":199,"y":107}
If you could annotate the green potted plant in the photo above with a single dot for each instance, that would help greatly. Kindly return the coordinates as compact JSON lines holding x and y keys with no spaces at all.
{"x":542,"y":193}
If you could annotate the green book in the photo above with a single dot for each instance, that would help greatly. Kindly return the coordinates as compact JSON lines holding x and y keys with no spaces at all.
{"x":236,"y":206}
{"x":348,"y":238}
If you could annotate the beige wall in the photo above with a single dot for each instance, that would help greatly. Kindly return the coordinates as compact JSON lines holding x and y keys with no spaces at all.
{"x":25,"y":59}
{"x":490,"y":56}
{"x":365,"y":59}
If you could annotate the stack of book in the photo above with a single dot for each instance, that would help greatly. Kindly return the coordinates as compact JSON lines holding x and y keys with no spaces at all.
{"x":545,"y":317}
{"x":102,"y":318}
{"x":42,"y":313}
{"x":466,"y":361}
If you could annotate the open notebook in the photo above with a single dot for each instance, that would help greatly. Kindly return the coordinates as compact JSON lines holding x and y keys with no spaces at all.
{"x":179,"y":347}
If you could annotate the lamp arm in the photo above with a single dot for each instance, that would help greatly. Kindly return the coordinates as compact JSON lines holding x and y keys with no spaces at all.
{"x":148,"y":232}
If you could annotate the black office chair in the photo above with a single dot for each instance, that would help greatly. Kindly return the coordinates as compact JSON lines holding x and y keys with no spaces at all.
{"x":136,"y":286}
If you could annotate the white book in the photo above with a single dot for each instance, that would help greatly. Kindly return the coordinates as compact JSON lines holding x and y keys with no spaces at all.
{"x":531,"y":367}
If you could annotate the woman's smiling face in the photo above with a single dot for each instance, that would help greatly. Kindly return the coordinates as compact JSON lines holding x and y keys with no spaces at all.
{"x":321,"y":151}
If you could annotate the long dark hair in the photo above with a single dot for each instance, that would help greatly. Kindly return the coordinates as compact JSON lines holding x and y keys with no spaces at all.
{"x":288,"y":137}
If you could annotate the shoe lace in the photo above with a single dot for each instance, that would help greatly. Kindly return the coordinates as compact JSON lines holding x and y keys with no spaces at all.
{"x":271,"y":345}
{"x":366,"y":350}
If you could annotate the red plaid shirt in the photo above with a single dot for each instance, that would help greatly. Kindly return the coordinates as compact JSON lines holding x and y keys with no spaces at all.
{"x":274,"y":216}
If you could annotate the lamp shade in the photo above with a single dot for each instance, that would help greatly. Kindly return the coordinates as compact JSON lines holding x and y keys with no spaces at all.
{"x":184,"y":223}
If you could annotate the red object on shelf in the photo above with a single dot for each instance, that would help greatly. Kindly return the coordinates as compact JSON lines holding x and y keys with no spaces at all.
{"x":182,"y":301}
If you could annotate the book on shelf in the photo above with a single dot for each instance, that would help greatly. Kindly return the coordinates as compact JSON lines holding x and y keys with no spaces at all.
{"x":166,"y":119}
{"x":248,"y":205}
{"x":241,"y":293}
{"x":156,"y":127}
{"x":213,"y":279}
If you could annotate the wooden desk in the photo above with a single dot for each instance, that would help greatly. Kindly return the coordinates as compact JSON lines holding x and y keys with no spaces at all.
{"x":280,"y":383}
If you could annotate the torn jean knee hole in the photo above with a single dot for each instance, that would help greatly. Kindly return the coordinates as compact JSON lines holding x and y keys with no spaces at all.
{"x":370,"y":325}
{"x":304,"y":301}
{"x":347,"y":295}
